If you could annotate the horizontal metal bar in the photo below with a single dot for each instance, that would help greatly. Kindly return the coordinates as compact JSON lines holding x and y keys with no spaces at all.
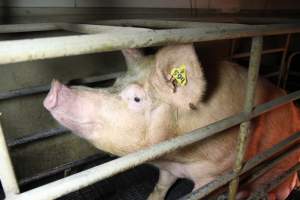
{"x":273,"y":162}
{"x":18,"y":28}
{"x":45,"y":88}
{"x":62,"y":168}
{"x":90,"y":176}
{"x":272,"y":74}
{"x":164,"y":24}
{"x":7,"y":174}
{"x":261,"y":192}
{"x":264,"y":52}
{"x":36,"y":136}
{"x":42,"y":48}
{"x":250,"y":164}
{"x":92,"y":29}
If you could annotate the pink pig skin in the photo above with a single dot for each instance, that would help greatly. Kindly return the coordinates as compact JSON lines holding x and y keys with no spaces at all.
{"x":143,"y":109}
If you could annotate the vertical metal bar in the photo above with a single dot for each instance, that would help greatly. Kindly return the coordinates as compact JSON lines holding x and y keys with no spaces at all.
{"x":232,"y":50}
{"x":7,"y":174}
{"x":288,"y":66}
{"x":256,"y":50}
{"x":282,"y":69}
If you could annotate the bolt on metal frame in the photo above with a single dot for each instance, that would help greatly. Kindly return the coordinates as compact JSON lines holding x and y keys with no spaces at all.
{"x":101,"y":38}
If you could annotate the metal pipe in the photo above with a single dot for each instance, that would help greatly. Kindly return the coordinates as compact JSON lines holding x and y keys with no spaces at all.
{"x":45,"y":88}
{"x":7,"y":174}
{"x":36,"y":136}
{"x":164,"y":24}
{"x":268,"y":51}
{"x":282,"y":68}
{"x":272,"y":163}
{"x":256,"y":49}
{"x":250,"y":164}
{"x":64,"y":167}
{"x":90,"y":176}
{"x":288,"y":67}
{"x":41,"y":48}
{"x":92,"y":29}
{"x":18,"y":28}
{"x":261,"y":192}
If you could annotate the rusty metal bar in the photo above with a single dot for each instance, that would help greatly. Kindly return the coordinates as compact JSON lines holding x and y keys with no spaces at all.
{"x":7,"y":174}
{"x":256,"y":49}
{"x":41,"y":48}
{"x":90,"y":176}
{"x":250,"y":164}
{"x":19,"y":28}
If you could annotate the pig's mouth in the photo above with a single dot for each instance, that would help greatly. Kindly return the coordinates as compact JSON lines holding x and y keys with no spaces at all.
{"x":51,"y":100}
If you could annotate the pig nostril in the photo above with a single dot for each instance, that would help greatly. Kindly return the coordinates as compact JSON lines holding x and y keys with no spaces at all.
{"x":136,"y":99}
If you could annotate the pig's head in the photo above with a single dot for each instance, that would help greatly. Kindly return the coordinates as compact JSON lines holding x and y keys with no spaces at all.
{"x":141,"y":109}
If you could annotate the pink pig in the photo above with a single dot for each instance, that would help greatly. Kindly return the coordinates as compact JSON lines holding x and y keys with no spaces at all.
{"x":145,"y":107}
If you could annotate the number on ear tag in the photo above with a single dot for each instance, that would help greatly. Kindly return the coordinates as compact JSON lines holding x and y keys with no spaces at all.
{"x":179,"y":74}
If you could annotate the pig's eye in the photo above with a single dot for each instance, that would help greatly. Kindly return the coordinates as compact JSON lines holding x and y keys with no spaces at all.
{"x":137,"y":99}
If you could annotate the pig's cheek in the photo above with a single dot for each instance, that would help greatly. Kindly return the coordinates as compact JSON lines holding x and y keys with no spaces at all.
{"x":137,"y":107}
{"x":140,"y":106}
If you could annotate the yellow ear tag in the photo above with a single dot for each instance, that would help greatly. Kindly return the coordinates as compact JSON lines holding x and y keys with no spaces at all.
{"x":179,"y":74}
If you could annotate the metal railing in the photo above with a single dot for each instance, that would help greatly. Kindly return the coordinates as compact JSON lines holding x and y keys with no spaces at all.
{"x":103,"y":38}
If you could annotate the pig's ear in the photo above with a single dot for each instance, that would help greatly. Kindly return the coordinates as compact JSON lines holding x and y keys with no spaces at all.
{"x":185,"y":95}
{"x":132,"y":56}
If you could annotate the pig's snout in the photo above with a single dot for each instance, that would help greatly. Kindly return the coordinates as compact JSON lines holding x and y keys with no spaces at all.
{"x":51,"y":100}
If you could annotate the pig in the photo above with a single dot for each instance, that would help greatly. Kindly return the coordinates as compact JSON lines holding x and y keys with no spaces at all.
{"x":148,"y":105}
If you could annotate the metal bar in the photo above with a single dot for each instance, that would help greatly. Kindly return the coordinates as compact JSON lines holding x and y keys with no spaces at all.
{"x":282,"y":67}
{"x":272,"y":74}
{"x":164,"y":24}
{"x":250,"y":164}
{"x":45,"y":88}
{"x":288,"y":67}
{"x":92,"y":29}
{"x":256,"y":49}
{"x":279,"y":179}
{"x":18,"y":28}
{"x":272,"y":163}
{"x":7,"y":174}
{"x":90,"y":176}
{"x":37,"y":136}
{"x":64,"y":167}
{"x":41,"y":48}
{"x":24,"y":92}
{"x":232,"y":48}
{"x":268,"y":51}
{"x":261,"y":192}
